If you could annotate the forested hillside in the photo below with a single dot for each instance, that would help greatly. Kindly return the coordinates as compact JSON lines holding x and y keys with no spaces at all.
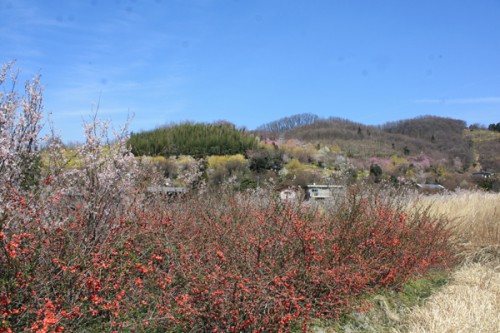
{"x":305,"y":148}
{"x":441,"y":138}
{"x":444,"y":134}
{"x":423,"y":149}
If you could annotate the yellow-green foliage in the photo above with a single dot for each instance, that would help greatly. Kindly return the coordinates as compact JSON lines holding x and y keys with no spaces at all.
{"x":363,"y":174}
{"x":70,"y":159}
{"x":481,"y":135}
{"x":294,"y":166}
{"x":263,"y":145}
{"x":215,"y":162}
{"x":185,"y":159}
{"x":396,"y":160}
{"x":440,"y":171}
{"x":151,"y":159}
{"x":335,"y":149}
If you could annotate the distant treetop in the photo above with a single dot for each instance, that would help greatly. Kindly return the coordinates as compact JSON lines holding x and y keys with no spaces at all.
{"x":288,"y":123}
{"x":494,"y":127}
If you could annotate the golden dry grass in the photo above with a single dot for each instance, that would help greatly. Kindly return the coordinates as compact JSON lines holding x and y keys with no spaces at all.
{"x":471,"y":301}
{"x":474,"y":215}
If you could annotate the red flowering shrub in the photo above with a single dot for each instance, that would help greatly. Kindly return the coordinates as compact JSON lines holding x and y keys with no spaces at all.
{"x":112,"y":261}
{"x":208,"y":265}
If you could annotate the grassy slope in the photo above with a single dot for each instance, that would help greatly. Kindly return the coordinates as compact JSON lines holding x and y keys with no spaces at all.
{"x":439,"y":137}
{"x":360,"y":141}
{"x":486,"y":148}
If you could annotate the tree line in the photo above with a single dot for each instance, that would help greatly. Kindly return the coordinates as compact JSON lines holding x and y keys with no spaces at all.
{"x":494,"y":127}
{"x":288,"y":123}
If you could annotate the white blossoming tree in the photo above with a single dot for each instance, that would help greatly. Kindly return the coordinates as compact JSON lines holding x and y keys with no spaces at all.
{"x":20,"y":124}
{"x":97,"y":178}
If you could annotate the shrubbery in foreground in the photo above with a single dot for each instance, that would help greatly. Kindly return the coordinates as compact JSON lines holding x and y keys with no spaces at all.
{"x":82,"y":250}
{"x":194,"y":265}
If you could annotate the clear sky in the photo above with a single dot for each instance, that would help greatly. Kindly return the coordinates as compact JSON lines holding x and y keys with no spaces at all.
{"x":254,"y":61}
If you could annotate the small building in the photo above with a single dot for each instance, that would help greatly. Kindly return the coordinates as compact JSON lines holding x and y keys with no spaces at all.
{"x":170,"y":191}
{"x":483,"y":174}
{"x":319,"y":192}
{"x":430,"y":187}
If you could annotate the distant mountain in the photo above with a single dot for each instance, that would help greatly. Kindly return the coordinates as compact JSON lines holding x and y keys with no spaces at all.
{"x":444,"y":134}
{"x":438,"y":137}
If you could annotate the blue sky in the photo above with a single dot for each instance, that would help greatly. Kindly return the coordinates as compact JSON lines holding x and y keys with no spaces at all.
{"x":254,"y":61}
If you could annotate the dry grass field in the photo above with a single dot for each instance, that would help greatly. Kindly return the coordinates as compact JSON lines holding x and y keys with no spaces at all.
{"x":470,"y":302}
{"x":474,"y":215}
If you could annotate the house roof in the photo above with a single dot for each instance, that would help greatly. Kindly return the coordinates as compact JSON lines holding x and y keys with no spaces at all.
{"x":324,"y":186}
{"x":167,"y":189}
{"x":483,"y":173}
{"x":431,"y":186}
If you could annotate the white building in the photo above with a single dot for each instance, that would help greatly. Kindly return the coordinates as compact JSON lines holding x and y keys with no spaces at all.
{"x":322,"y":191}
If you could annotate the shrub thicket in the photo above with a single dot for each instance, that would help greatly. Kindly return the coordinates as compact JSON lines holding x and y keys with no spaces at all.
{"x":265,"y":159}
{"x":234,"y":264}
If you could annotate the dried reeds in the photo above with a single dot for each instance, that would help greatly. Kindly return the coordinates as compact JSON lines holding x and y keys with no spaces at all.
{"x":475,"y":215}
{"x":470,"y":303}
